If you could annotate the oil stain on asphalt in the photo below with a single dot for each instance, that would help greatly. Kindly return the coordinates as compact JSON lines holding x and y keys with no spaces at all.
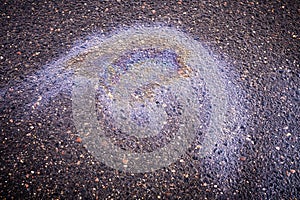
{"x":195,"y":100}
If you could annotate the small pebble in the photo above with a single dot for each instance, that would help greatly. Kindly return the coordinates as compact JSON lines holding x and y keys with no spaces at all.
{"x":79,"y":140}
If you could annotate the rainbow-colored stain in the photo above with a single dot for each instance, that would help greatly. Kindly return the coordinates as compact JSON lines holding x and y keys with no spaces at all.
{"x":157,"y":92}
{"x":135,"y":98}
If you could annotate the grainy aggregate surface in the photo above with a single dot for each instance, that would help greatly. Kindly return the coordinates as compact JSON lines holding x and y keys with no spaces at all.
{"x":42,"y":156}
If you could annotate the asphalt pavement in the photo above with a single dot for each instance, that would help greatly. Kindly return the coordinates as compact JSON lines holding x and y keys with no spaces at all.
{"x":255,"y":46}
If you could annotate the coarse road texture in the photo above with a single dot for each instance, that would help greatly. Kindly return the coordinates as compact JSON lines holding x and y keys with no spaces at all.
{"x":42,"y":156}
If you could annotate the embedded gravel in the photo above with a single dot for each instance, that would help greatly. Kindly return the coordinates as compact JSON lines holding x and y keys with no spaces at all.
{"x":42,"y":156}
